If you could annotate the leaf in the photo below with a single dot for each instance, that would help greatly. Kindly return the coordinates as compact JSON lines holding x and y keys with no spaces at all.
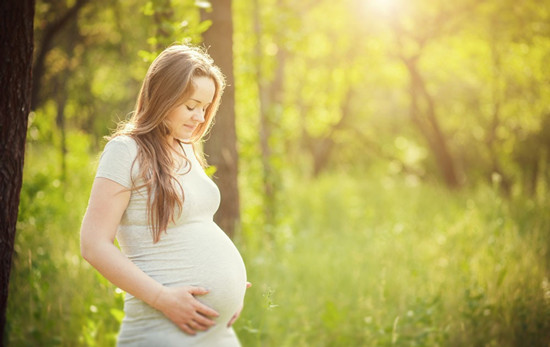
{"x":118,"y":314}
{"x":211,"y":170}
{"x":203,"y":26}
{"x":148,"y":9}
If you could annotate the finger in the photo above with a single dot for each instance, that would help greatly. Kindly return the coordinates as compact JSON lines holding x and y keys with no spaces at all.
{"x":197,"y":326}
{"x":199,"y":318}
{"x":205,"y":310}
{"x":248,"y":284}
{"x":187,"y":329}
{"x":197,"y":290}
{"x":233,"y":319}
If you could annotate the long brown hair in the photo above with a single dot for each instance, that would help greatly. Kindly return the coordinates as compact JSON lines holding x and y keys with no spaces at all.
{"x":167,"y":84}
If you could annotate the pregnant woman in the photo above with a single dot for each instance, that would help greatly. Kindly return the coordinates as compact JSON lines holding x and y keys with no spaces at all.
{"x":184,"y":279}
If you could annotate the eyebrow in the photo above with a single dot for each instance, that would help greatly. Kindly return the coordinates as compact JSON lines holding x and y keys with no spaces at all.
{"x":200,"y":102}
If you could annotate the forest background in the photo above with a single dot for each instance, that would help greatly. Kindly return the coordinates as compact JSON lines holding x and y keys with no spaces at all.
{"x":393,"y":167}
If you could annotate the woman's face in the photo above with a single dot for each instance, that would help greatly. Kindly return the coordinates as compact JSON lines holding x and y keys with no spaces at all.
{"x":185,"y":118}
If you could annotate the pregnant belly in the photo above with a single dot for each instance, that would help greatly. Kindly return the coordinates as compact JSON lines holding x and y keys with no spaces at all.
{"x":201,"y":255}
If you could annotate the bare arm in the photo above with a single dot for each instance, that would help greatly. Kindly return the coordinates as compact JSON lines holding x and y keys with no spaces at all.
{"x":108,"y":201}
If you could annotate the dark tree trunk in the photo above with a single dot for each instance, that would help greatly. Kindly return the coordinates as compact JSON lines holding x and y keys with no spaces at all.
{"x":16,"y":42}
{"x":221,"y":147}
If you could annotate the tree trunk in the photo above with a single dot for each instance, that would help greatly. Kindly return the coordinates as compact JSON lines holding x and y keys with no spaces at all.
{"x":162,"y":16}
{"x":427,"y":122}
{"x":61,"y":124}
{"x":16,"y":42}
{"x":39,"y":68}
{"x":321,"y":148}
{"x":271,"y":98}
{"x":265,"y":124}
{"x":221,"y":147}
{"x":491,"y":133}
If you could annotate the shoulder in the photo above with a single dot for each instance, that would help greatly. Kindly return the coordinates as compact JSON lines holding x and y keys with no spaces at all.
{"x":122,"y":144}
{"x":117,"y":160}
{"x":123,"y":140}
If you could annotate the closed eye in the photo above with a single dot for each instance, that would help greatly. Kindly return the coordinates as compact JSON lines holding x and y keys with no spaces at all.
{"x":190,"y":108}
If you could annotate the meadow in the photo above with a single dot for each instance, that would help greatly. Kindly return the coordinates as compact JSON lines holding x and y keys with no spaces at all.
{"x":394,"y":180}
{"x":358,"y":259}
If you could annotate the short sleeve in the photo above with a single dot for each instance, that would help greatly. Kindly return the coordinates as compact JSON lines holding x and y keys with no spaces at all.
{"x":116,"y":160}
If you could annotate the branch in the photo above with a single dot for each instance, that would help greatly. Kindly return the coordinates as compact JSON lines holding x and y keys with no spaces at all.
{"x":46,"y":45}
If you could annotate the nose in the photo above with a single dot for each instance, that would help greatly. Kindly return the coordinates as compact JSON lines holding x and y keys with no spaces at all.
{"x":199,"y":115}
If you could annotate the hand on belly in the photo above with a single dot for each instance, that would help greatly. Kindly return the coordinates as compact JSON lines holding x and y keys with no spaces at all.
{"x":181,"y":307}
{"x":226,"y":299}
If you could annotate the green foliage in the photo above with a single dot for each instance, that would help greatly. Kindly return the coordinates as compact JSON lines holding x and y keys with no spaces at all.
{"x":371,"y":260}
{"x":345,"y":81}
{"x":169,"y":25}
{"x":55,"y":297}
{"x":98,"y":60}
{"x":373,"y":252}
{"x":377,"y":262}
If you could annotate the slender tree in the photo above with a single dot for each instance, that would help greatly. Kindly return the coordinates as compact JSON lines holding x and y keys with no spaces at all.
{"x":16,"y":42}
{"x":423,"y":106}
{"x":270,"y":91}
{"x":51,"y":30}
{"x":221,"y":147}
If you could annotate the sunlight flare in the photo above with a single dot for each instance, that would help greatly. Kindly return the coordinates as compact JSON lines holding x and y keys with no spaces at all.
{"x":384,"y":7}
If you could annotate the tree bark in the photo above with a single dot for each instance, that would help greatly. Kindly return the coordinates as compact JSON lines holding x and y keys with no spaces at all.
{"x":221,"y":146}
{"x":16,"y":42}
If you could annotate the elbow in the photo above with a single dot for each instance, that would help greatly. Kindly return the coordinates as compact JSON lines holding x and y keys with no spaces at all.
{"x":85,"y":250}
{"x":93,"y":248}
{"x":88,"y":247}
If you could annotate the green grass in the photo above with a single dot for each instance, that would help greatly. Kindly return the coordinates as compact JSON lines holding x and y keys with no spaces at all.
{"x":55,"y":298}
{"x":354,"y":262}
{"x":380,"y":263}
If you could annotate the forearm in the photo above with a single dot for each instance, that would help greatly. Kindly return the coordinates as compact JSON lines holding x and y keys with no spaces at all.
{"x":106,"y":258}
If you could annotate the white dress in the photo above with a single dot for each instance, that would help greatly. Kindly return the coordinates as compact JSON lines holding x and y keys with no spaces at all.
{"x":194,"y":251}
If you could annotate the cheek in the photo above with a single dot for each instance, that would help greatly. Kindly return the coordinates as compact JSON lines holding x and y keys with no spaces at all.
{"x":181,"y":116}
{"x":173,"y":119}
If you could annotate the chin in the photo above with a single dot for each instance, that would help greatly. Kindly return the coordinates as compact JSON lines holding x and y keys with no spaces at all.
{"x":184,"y":136}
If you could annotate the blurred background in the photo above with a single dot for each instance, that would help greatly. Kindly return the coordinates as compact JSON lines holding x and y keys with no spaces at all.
{"x":393,"y":166}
